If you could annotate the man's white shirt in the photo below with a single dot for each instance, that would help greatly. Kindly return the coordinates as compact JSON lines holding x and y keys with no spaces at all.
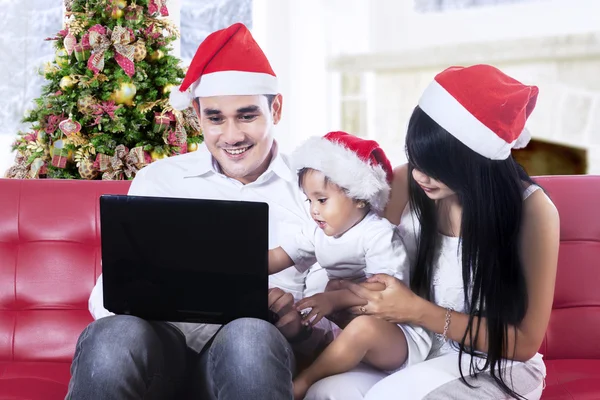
{"x":196,"y":175}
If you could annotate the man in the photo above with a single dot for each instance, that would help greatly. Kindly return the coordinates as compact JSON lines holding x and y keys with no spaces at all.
{"x":234,"y":92}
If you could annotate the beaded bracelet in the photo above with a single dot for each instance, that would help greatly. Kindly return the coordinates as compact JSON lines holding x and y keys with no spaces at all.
{"x":447,"y":323}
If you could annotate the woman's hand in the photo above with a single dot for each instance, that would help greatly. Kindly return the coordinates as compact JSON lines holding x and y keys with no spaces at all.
{"x":396,"y":303}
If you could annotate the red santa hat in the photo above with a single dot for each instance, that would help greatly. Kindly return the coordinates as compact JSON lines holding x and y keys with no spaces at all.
{"x":357,"y":165}
{"x":482,"y":107}
{"x":227,"y":62}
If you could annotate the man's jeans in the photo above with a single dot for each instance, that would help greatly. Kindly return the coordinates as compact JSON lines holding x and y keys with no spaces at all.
{"x":124,"y":357}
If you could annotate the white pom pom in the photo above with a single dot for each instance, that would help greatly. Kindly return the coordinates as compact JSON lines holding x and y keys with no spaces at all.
{"x":523,"y":139}
{"x":180,"y":100}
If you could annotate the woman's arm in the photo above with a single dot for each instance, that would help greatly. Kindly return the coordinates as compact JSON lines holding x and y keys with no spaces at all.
{"x":539,"y":256}
{"x":399,"y":195}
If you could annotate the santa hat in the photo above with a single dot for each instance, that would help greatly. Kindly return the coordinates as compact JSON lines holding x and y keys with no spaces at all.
{"x":482,"y":107}
{"x":357,"y":165}
{"x":227,"y":62}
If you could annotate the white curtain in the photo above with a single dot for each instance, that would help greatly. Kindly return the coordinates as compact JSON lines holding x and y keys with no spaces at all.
{"x":25,"y":24}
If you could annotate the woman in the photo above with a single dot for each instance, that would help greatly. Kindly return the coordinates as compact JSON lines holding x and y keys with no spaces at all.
{"x":483,"y":241}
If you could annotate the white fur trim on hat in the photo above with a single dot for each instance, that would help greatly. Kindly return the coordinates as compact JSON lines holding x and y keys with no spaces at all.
{"x":234,"y":83}
{"x":343,"y":167}
{"x":523,"y":139}
{"x":180,"y":100}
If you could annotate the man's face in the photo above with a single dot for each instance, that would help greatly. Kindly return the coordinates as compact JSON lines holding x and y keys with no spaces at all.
{"x":238,"y":131}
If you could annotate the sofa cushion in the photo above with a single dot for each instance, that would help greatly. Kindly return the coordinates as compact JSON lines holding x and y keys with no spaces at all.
{"x":572,"y":379}
{"x":34,"y":380}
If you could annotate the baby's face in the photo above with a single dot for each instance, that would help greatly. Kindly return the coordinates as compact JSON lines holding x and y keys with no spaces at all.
{"x":332,"y":210}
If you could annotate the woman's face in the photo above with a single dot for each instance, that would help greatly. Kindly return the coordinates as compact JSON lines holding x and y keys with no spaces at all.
{"x":435,"y":190}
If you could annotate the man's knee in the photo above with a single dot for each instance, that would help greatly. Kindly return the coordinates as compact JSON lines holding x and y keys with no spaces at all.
{"x":248,"y":343}
{"x":250,"y":339}
{"x":108,"y":340}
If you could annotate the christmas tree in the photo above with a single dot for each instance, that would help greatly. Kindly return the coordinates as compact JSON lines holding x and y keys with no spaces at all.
{"x":104,"y":112}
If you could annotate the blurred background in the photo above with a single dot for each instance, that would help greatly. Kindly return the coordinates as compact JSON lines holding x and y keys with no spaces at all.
{"x":360,"y":65}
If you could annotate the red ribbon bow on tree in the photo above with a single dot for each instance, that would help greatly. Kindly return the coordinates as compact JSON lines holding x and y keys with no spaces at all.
{"x":155,"y":6}
{"x":120,"y":39}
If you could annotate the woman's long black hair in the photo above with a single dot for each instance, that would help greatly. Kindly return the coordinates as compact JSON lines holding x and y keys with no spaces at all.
{"x":491,"y":195}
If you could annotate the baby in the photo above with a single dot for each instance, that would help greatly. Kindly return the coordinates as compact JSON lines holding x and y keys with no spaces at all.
{"x":346,"y":181}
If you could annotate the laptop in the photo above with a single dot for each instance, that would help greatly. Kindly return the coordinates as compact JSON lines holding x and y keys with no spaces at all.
{"x":184,"y":260}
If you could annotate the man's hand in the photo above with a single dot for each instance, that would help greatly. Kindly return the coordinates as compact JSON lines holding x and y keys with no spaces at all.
{"x":282,"y":304}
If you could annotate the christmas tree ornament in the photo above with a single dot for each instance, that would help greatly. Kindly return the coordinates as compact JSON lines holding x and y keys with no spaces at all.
{"x":155,"y":155}
{"x":37,"y":168}
{"x":193,"y":123}
{"x":85,"y":104}
{"x":60,"y":154}
{"x":162,"y":121}
{"x":67,"y":82}
{"x":192,"y":147}
{"x":117,"y":13}
{"x":120,"y":4}
{"x":120,"y":39}
{"x":87,"y":170}
{"x":167,"y":89}
{"x":125,"y":94}
{"x":123,"y":162}
{"x":139,"y":52}
{"x":70,"y":127}
{"x":158,"y":6}
{"x":156,"y":55}
{"x":133,"y":12}
{"x":61,"y":57}
{"x":81,"y":53}
{"x":41,"y":136}
{"x":69,"y":43}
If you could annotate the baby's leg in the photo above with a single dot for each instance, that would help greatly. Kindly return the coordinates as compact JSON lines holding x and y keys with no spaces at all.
{"x":369,"y":339}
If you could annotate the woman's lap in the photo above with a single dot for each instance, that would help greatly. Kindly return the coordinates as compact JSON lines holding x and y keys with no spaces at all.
{"x":352,"y":385}
{"x":439,"y":378}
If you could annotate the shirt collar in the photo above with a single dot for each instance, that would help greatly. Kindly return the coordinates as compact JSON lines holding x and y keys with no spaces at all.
{"x":203,"y":163}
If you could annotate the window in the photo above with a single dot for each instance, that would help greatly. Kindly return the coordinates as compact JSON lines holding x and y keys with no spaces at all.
{"x":354,"y":110}
{"x":201,"y":17}
{"x":446,"y":5}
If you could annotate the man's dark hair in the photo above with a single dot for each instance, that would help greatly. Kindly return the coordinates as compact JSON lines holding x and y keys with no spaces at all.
{"x":270,"y":99}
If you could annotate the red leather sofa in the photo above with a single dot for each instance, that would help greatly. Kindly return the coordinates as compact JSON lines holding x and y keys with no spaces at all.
{"x":50,"y":259}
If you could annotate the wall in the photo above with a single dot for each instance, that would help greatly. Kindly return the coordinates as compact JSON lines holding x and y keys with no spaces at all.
{"x":553,"y":44}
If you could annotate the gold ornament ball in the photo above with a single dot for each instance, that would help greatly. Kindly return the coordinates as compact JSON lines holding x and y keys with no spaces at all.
{"x":125,"y":94}
{"x":121,"y":4}
{"x":167,"y":89}
{"x":117,"y":13}
{"x":156,"y":55}
{"x":66,"y":82}
{"x":192,"y":147}
{"x":139,"y":52}
{"x":157,"y":156}
{"x":84,"y":104}
{"x":61,"y":57}
{"x":86,"y":169}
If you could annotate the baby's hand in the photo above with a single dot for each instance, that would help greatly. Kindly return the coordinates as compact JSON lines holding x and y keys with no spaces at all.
{"x":321,"y":305}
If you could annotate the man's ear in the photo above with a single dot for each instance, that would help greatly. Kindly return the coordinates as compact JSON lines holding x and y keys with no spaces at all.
{"x":276,"y":108}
